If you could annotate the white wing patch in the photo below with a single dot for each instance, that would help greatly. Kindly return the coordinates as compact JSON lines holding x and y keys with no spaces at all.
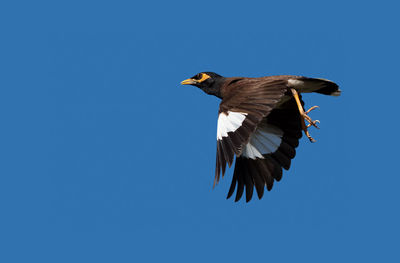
{"x":266,"y":139}
{"x":229,"y":123}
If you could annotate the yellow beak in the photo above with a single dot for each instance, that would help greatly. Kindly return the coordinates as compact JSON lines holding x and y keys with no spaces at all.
{"x":188,"y":82}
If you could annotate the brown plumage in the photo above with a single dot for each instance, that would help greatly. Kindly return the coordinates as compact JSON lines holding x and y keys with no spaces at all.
{"x":260,"y":123}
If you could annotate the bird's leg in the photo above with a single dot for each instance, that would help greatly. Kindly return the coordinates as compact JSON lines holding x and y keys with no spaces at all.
{"x":304,"y":116}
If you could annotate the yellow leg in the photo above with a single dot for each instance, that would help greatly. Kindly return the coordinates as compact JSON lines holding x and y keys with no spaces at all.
{"x":304,"y":116}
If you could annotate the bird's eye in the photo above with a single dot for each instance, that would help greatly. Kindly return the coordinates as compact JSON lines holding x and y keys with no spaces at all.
{"x":198,"y":76}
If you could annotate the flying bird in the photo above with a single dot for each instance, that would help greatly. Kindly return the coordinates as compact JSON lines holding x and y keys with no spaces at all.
{"x":260,"y":120}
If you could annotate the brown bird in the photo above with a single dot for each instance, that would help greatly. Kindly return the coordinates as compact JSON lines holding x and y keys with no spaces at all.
{"x":260,"y":120}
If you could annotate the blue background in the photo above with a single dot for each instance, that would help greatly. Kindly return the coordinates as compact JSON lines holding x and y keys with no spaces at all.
{"x":105,"y":157}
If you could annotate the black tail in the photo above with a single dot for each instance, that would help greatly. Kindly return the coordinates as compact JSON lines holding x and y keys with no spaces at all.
{"x":322,"y":86}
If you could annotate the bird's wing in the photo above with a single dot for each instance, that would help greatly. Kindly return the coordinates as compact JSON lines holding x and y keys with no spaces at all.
{"x":270,"y":148}
{"x":245,"y":104}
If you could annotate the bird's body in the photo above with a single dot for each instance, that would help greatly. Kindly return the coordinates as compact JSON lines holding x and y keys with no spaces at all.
{"x":260,"y":120}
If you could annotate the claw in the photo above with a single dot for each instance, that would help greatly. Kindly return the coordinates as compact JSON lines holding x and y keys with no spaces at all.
{"x":313,"y":123}
{"x":311,"y":109}
{"x":309,"y":120}
{"x":311,"y":139}
{"x":309,"y":136}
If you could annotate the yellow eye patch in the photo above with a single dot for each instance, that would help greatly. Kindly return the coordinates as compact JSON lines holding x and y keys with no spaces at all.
{"x":203,"y":78}
{"x":196,"y":79}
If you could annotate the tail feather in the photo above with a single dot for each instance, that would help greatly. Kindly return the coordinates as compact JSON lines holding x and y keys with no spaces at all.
{"x":322,"y":86}
{"x":307,"y":85}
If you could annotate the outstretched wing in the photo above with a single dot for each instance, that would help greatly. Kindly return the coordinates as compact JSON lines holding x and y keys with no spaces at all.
{"x":270,"y":148}
{"x":248,"y":103}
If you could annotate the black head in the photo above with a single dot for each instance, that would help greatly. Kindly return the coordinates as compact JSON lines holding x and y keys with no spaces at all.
{"x":209,"y":82}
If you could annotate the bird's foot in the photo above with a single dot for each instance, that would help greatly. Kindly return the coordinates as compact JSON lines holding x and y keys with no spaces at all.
{"x":304,"y":117}
{"x":310,"y":121}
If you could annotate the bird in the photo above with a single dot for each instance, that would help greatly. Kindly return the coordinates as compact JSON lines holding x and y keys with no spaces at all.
{"x":260,"y":122}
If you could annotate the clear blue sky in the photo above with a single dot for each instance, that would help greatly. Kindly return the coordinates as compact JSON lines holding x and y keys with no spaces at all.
{"x":105,"y":157}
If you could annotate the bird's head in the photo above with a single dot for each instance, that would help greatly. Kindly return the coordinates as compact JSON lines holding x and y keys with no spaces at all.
{"x":209,"y":82}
